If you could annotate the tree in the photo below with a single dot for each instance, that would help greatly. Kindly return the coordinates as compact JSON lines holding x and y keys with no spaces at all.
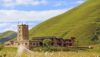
{"x":47,"y":42}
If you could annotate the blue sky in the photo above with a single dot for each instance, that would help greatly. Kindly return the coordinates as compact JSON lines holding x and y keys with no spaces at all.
{"x":31,"y":12}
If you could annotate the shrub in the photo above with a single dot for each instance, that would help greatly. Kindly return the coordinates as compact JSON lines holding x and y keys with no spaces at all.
{"x":1,"y":46}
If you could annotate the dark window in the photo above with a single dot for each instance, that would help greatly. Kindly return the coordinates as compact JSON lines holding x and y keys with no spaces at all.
{"x":52,"y":43}
{"x":64,"y":44}
{"x":69,"y":40}
{"x":59,"y":44}
{"x":41,"y":44}
{"x":70,"y":44}
{"x":25,"y":43}
{"x":67,"y":43}
{"x":33,"y":43}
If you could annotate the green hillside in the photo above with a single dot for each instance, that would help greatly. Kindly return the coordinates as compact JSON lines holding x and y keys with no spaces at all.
{"x":81,"y":22}
{"x":6,"y":36}
{"x":7,"y":33}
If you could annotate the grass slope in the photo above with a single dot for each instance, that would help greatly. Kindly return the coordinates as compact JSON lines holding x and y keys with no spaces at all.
{"x":8,"y":35}
{"x":81,"y":22}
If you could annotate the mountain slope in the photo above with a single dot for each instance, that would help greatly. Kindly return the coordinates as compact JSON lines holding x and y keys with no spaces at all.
{"x":6,"y":36}
{"x":81,"y":22}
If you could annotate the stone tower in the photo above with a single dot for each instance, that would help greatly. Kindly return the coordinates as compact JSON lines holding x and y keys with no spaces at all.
{"x":23,"y":35}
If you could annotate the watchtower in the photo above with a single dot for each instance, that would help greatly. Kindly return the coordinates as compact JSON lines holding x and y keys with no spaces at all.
{"x":23,"y":35}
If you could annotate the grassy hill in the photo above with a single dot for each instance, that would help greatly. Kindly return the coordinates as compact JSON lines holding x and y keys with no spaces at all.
{"x":81,"y":22}
{"x":8,"y":35}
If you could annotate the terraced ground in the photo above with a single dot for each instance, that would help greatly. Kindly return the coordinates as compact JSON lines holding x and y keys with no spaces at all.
{"x":13,"y":52}
{"x":52,"y":54}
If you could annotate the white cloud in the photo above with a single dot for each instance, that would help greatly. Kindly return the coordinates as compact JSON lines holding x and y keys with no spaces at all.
{"x":7,"y":16}
{"x":58,"y":4}
{"x":15,"y":15}
{"x":80,"y":1}
{"x":12,"y":3}
{"x":6,"y":26}
{"x":63,"y":3}
{"x":8,"y":3}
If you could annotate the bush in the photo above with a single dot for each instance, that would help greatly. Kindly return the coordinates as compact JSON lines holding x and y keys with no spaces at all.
{"x":47,"y":43}
{"x":53,"y":49}
{"x":1,"y":46}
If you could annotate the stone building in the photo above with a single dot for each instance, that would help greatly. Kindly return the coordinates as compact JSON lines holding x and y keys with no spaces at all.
{"x":23,"y":39}
{"x":23,"y":35}
{"x":58,"y":42}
